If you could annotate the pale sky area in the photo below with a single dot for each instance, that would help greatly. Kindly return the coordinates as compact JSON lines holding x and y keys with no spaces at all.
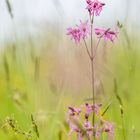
{"x":29,"y":15}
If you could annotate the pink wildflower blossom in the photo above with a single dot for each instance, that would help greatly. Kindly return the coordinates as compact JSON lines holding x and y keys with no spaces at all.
{"x":73,"y":128}
{"x":81,"y":31}
{"x":84,"y":28}
{"x":92,"y":108}
{"x":94,"y":7}
{"x":73,"y":114}
{"x":75,"y":34}
{"x":89,"y":129}
{"x":84,"y":128}
{"x":79,"y":136}
{"x":96,"y":109}
{"x":74,"y":111}
{"x":97,"y":132}
{"x":106,"y":34}
{"x":109,"y":129}
{"x":89,"y":109}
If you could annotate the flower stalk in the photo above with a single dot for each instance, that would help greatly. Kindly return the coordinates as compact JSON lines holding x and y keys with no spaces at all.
{"x":78,"y":33}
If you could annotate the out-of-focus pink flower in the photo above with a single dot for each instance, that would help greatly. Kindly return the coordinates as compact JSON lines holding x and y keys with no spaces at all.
{"x":92,"y":108}
{"x":89,"y":129}
{"x":79,"y":136}
{"x":106,"y":34}
{"x":94,"y":7}
{"x":75,"y":34}
{"x":74,"y":111}
{"x":84,"y":28}
{"x":73,"y":115}
{"x":96,"y":109}
{"x":109,"y":129}
{"x":73,"y":128}
{"x":84,"y":128}
{"x":97,"y":132}
{"x":89,"y":109}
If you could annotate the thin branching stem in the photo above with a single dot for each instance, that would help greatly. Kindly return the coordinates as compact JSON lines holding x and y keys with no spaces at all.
{"x":87,"y":48}
{"x":95,"y":51}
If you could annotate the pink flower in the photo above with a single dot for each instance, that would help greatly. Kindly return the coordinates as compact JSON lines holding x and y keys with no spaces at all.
{"x":89,"y":129}
{"x":92,"y":108}
{"x":84,"y":28}
{"x":106,"y":34}
{"x":89,"y":109}
{"x":97,"y":132}
{"x":74,"y":111}
{"x":83,"y":128}
{"x":79,"y":136}
{"x":74,"y":33}
{"x":96,"y":109}
{"x":81,"y":31}
{"x":89,"y":1}
{"x":94,"y":7}
{"x":109,"y":128}
{"x":73,"y":128}
{"x":73,"y":115}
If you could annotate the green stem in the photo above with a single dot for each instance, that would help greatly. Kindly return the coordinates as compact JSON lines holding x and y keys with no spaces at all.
{"x":87,"y":48}
{"x":92,"y":70}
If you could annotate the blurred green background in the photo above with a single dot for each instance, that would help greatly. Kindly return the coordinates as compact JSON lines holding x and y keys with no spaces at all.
{"x":42,"y":72}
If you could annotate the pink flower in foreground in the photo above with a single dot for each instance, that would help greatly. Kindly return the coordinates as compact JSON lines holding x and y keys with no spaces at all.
{"x":74,"y":33}
{"x":96,"y":109}
{"x":92,"y":108}
{"x":73,"y":128}
{"x":83,"y":128}
{"x":84,"y":28}
{"x":109,"y":129}
{"x":106,"y":34}
{"x":89,"y":109}
{"x":94,"y":7}
{"x":73,"y":115}
{"x":74,"y":111}
{"x":97,"y":132}
{"x":89,"y":129}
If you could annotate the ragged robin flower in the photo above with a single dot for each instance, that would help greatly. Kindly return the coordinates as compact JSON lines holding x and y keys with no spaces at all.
{"x":106,"y":34}
{"x":82,"y":126}
{"x":84,"y":28}
{"x":94,"y":7}
{"x":79,"y":32}
{"x":74,"y":34}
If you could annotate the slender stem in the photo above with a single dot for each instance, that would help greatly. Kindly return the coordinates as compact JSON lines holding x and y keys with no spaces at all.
{"x":87,"y":48}
{"x":93,"y":87}
{"x":98,"y":44}
{"x":92,"y":38}
{"x":96,"y":48}
{"x":92,"y":69}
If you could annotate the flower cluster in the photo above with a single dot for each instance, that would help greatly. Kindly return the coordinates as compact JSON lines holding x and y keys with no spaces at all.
{"x":83,"y":30}
{"x":79,"y":123}
{"x":94,"y":7}
{"x":106,"y":34}
{"x":79,"y":32}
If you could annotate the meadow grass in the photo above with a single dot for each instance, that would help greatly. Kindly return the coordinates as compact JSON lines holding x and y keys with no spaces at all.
{"x":44,"y":81}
